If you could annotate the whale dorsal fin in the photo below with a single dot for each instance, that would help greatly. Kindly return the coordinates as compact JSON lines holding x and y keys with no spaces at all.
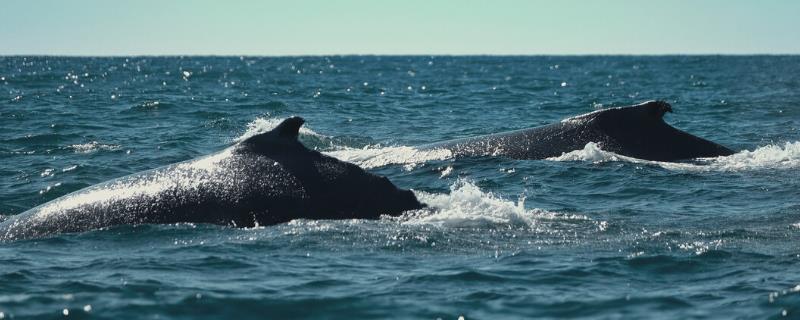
{"x":286,"y":131}
{"x":289,"y":128}
{"x":647,"y":111}
{"x":654,"y":108}
{"x":640,"y":114}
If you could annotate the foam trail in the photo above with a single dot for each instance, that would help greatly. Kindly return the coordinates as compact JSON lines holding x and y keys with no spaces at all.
{"x":784,"y":156}
{"x":376,"y":156}
{"x":767,"y":157}
{"x":371,"y":156}
{"x":467,"y":206}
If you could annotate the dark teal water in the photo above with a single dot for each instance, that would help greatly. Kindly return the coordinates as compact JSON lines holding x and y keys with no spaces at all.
{"x":588,"y":234}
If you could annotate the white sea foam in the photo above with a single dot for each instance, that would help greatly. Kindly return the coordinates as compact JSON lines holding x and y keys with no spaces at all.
{"x":468,"y":206}
{"x":773,"y":156}
{"x":93,"y":146}
{"x":784,"y":156}
{"x":377,"y":156}
{"x":446,"y":171}
{"x":371,"y":156}
{"x":591,"y":153}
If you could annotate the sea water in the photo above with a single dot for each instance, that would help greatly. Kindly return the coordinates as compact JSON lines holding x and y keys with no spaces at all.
{"x":586,"y":234}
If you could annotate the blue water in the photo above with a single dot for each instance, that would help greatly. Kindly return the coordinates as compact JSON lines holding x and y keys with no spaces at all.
{"x":588,"y":234}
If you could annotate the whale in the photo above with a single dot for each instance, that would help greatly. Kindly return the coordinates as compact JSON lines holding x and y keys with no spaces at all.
{"x":637,"y":131}
{"x":266,"y":179}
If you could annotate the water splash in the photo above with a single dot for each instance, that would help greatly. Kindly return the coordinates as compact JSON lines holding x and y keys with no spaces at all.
{"x":376,"y":156}
{"x":591,"y":153}
{"x":261,"y":125}
{"x":467,"y":206}
{"x":368,"y":157}
{"x":93,"y":146}
{"x":772,"y":156}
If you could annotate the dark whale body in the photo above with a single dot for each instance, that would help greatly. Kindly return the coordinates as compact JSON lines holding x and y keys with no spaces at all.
{"x":637,"y":131}
{"x":267,"y":179}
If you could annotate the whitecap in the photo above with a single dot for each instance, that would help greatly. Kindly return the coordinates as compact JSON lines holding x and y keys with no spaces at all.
{"x":93,"y":146}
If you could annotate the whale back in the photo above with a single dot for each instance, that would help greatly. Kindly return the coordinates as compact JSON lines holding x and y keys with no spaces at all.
{"x":637,"y":131}
{"x":266,"y":179}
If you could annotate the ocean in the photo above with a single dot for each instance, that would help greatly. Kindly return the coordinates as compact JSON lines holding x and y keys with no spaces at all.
{"x":588,"y":234}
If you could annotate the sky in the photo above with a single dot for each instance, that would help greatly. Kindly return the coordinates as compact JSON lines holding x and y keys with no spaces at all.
{"x":462,"y":27}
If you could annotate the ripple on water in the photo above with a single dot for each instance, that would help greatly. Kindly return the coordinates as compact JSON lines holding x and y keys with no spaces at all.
{"x":587,"y":234}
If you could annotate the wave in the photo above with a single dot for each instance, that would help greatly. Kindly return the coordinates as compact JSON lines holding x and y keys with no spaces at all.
{"x":772,"y":156}
{"x":467,"y":206}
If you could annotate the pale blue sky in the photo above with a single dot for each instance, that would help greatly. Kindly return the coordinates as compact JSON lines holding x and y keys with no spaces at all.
{"x":314,"y":27}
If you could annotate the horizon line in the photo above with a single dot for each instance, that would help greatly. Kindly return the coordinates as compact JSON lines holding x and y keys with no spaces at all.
{"x":169,"y":55}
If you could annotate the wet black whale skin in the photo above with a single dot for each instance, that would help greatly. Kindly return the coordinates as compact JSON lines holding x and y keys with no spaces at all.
{"x":637,"y":131}
{"x":266,"y":179}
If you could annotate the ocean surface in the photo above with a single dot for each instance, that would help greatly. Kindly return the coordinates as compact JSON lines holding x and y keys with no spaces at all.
{"x":589,"y":234}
